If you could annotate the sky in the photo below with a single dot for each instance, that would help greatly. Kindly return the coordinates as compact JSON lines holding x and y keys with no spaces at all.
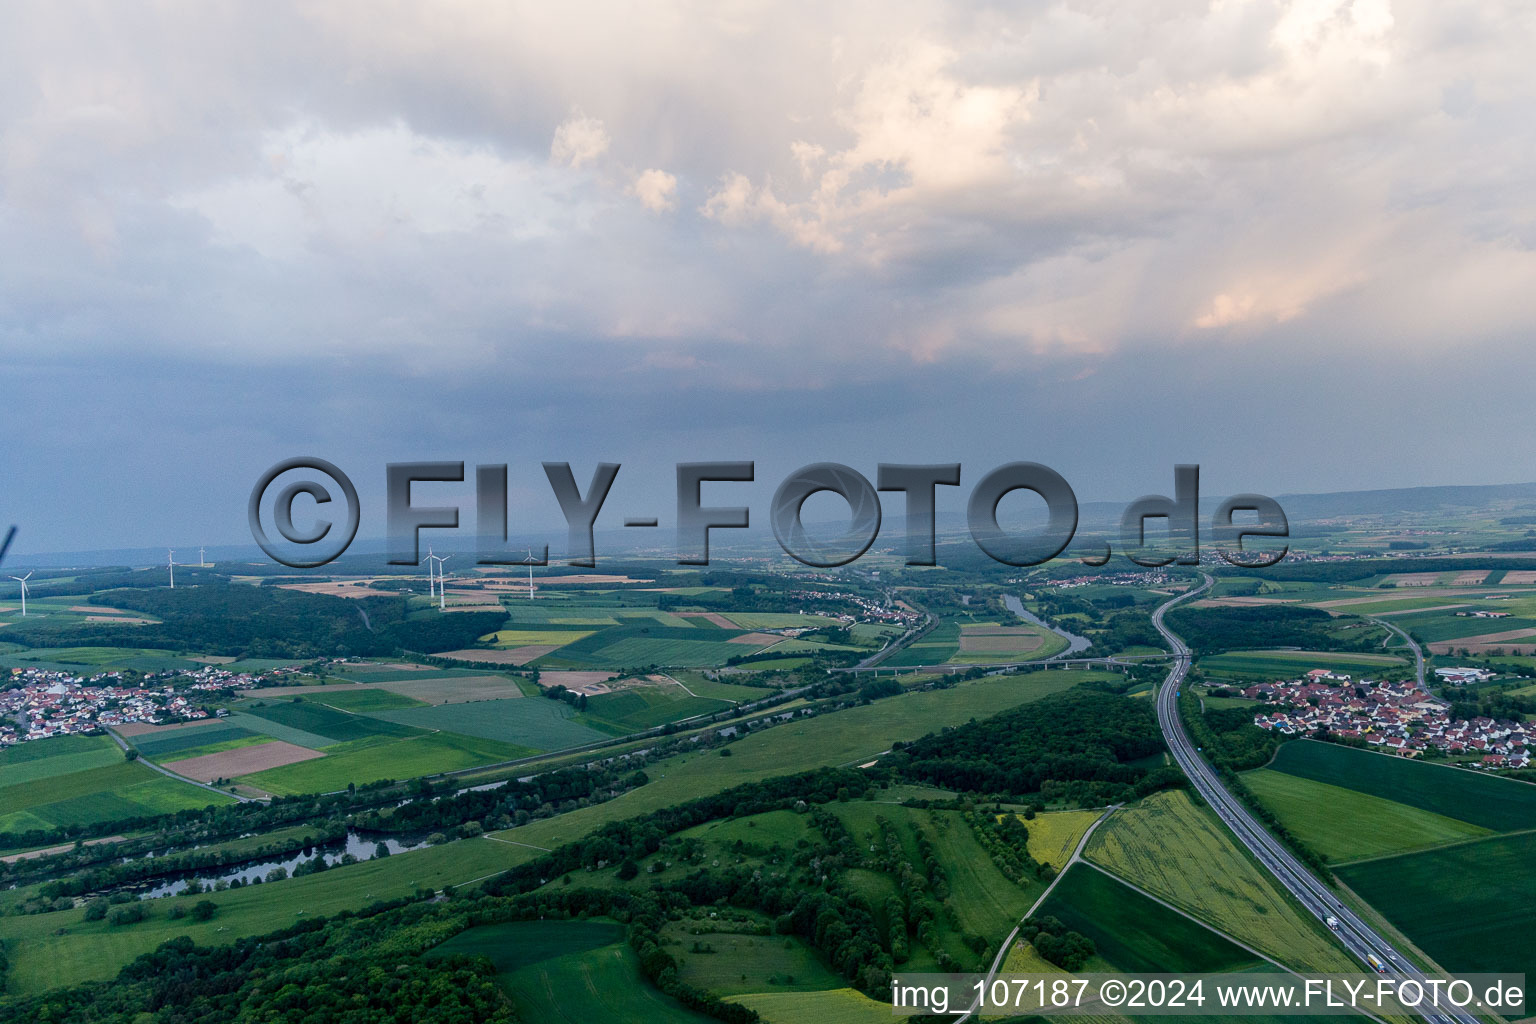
{"x":1289,"y":241}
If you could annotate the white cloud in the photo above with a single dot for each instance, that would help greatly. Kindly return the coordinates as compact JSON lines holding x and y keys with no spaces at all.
{"x":578,"y":140}
{"x":929,"y":181}
{"x":656,"y":190}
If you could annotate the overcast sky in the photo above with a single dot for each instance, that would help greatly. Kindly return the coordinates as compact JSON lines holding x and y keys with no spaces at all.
{"x":1290,"y":241}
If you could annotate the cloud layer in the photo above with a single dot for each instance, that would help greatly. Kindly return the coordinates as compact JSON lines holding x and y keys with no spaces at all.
{"x":760,"y":201}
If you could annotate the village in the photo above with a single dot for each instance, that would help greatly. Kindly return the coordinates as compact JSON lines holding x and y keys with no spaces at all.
{"x":41,"y":703}
{"x":1395,"y":716}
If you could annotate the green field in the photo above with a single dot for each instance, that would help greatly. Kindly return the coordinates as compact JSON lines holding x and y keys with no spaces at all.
{"x":1344,"y":824}
{"x":740,"y":964}
{"x":41,"y":957}
{"x":1434,"y":627}
{"x":936,"y":647}
{"x":536,"y":723}
{"x":363,"y":700}
{"x":528,"y":637}
{"x":286,"y":733}
{"x":381,"y":757}
{"x":36,"y":760}
{"x":517,"y":944}
{"x":110,"y":792}
{"x":336,"y":726}
{"x":61,"y":948}
{"x":1490,"y":802}
{"x":847,"y":737}
{"x":667,"y":652}
{"x":97,"y":659}
{"x":834,"y":1006}
{"x":157,"y":745}
{"x":1469,"y":906}
{"x":1175,"y":850}
{"x":644,"y":707}
{"x":702,"y":685}
{"x":1264,"y":665}
{"x":780,"y":620}
{"x":1135,"y":934}
{"x":250,"y":740}
{"x":565,"y":971}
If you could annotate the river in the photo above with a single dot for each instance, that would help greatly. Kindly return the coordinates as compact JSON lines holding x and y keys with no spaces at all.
{"x":360,"y":846}
{"x":1076,"y":644}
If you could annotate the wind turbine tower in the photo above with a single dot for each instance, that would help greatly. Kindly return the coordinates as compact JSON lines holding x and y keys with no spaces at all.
{"x":530,"y":574}
{"x":202,"y":563}
{"x":442,"y":588}
{"x":23,"y":581}
{"x":170,"y":560}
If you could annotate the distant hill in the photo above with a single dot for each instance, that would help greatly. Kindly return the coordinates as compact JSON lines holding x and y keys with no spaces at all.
{"x":1405,"y":499}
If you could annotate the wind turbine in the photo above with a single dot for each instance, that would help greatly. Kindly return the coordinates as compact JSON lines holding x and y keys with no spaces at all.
{"x":170,"y":560}
{"x":23,"y":581}
{"x":442,"y":591}
{"x":431,"y":578}
{"x":530,"y":574}
{"x":202,"y":563}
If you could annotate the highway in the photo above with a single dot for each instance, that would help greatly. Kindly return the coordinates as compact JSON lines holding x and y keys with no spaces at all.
{"x":1359,"y":938}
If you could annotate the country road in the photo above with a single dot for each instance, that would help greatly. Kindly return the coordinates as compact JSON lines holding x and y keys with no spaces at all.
{"x":172,"y":775}
{"x":1413,"y":645}
{"x":1358,"y":937}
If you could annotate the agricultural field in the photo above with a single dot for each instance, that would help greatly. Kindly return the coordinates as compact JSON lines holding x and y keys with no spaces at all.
{"x":849,"y":737}
{"x":335,"y":725}
{"x":740,"y":963}
{"x":371,"y":758}
{"x":1469,"y":906}
{"x":90,"y":660}
{"x":165,"y":744}
{"x":985,"y":642}
{"x":1437,"y":627}
{"x":1345,"y":824}
{"x":936,"y":647}
{"x":720,"y":688}
{"x":364,"y":699}
{"x":632,"y":646}
{"x":1054,"y":835}
{"x":551,"y":976}
{"x":1265,"y":665}
{"x":79,"y":780}
{"x":834,"y":1006}
{"x":537,"y":723}
{"x":1486,"y":801}
{"x":1136,"y":934}
{"x":61,"y":948}
{"x":646,"y":706}
{"x":1177,"y":851}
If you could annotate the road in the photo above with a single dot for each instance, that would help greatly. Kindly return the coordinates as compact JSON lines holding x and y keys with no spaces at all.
{"x":146,"y":762}
{"x":1002,"y":952}
{"x":1418,"y":652}
{"x":1359,"y":938}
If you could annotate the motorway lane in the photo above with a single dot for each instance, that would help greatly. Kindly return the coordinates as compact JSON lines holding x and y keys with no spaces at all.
{"x":1358,"y":937}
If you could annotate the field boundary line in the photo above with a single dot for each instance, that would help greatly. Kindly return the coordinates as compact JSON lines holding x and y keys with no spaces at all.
{"x":1432,"y":849}
{"x":511,"y":842}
